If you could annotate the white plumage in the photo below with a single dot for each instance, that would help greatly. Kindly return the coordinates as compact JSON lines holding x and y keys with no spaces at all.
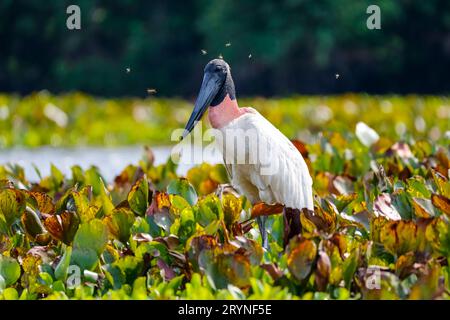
{"x":288,"y":182}
{"x":261,"y":162}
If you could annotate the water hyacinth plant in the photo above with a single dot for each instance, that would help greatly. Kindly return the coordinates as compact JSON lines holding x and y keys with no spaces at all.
{"x":380,"y":228}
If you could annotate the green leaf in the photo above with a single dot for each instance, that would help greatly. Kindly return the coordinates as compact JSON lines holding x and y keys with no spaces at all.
{"x":178,"y":203}
{"x":130,"y":266}
{"x":119,"y":224}
{"x":94,"y":179}
{"x":46,"y":278}
{"x":12,"y":205}
{"x":77,"y":175}
{"x":175,"y":283}
{"x":138,"y":197}
{"x":212,"y":228}
{"x":89,"y":243}
{"x":59,"y":286}
{"x":417,"y":187}
{"x":10,"y":294}
{"x":153,"y":248}
{"x":83,"y":208}
{"x":57,"y":177}
{"x":207,"y":210}
{"x":9,"y":270}
{"x":63,"y":265}
{"x":183,"y":188}
{"x":114,"y":275}
{"x":99,"y":190}
{"x":140,"y":289}
{"x":349,"y":267}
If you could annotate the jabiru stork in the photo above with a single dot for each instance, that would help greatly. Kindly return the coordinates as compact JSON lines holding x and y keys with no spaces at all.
{"x":290,"y":184}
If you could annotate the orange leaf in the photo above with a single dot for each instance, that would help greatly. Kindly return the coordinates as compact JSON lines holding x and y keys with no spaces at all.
{"x":63,"y":227}
{"x":442,"y":203}
{"x":301,"y":147}
{"x":162,"y":200}
{"x":44,"y":203}
{"x":301,"y":256}
{"x":262,"y":209}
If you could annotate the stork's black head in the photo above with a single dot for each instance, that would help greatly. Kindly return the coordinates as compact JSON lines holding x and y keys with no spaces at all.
{"x":220,"y":69}
{"x":217,"y":84}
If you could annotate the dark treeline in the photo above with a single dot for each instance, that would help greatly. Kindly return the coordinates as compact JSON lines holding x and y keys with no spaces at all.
{"x":275,"y":47}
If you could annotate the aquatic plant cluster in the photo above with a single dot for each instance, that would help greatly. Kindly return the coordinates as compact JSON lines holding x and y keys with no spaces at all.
{"x":380,"y":228}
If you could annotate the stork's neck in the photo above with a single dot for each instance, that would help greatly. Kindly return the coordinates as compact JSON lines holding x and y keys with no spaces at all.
{"x":226,"y":111}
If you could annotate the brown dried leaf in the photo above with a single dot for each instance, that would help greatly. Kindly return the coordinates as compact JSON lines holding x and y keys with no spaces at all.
{"x":421,"y":208}
{"x":301,"y":256}
{"x":44,"y":203}
{"x":323,"y":270}
{"x":63,"y":227}
{"x":441,"y":202}
{"x":262,"y":209}
{"x":301,"y":147}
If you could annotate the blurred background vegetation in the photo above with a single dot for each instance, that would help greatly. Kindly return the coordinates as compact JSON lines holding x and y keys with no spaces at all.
{"x":77,"y":119}
{"x":274,"y":47}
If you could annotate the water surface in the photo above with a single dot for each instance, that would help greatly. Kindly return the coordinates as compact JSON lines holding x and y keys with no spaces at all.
{"x":110,"y":161}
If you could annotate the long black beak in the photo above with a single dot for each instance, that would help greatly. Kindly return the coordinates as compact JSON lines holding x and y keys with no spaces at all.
{"x":210,"y":87}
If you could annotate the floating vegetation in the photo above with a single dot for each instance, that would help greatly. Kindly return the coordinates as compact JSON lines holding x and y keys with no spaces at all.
{"x":380,"y":230}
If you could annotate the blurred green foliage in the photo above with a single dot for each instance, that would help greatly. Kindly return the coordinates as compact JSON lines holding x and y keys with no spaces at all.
{"x":78,"y":119}
{"x":296,"y":46}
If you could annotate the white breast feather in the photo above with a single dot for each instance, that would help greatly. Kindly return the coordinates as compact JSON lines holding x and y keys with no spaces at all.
{"x":290,"y":184}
